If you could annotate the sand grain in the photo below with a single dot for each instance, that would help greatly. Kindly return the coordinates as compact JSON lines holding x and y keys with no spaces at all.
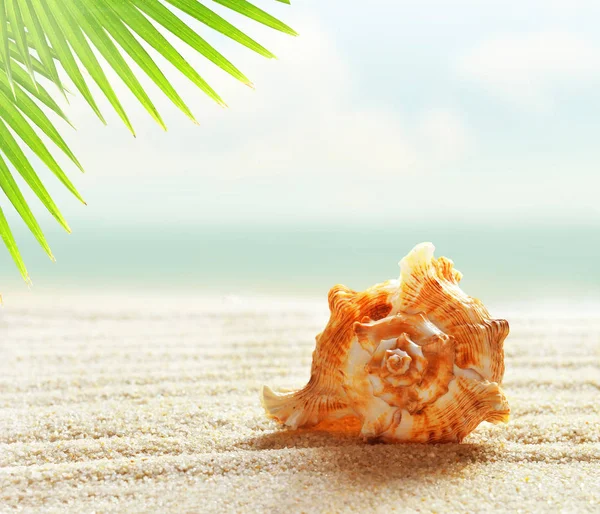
{"x":113,"y":404}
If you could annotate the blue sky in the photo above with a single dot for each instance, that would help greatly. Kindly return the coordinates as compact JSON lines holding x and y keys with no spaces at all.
{"x":377,"y":111}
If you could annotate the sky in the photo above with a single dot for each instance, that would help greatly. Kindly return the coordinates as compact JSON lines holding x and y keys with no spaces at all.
{"x":397,"y":112}
{"x":392,"y":110}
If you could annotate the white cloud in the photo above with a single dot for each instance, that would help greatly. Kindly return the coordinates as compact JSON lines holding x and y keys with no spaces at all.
{"x":303,"y":143}
{"x":302,"y":118}
{"x":528,"y":68}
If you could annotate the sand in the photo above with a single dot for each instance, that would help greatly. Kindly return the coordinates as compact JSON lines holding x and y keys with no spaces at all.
{"x":150,"y":404}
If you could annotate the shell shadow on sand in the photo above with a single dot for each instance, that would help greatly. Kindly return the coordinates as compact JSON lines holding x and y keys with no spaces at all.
{"x":344,"y":435}
{"x":353,"y":466}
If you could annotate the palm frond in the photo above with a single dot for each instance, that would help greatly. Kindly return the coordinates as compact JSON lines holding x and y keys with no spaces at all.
{"x":56,"y":41}
{"x":11,"y":245}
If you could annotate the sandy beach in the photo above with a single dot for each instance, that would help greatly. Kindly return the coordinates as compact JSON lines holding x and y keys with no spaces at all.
{"x":110,"y":403}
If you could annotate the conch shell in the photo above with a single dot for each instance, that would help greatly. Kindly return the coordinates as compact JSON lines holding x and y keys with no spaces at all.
{"x":414,"y":359}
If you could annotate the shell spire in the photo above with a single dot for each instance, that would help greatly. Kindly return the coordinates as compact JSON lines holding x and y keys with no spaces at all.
{"x":414,"y":359}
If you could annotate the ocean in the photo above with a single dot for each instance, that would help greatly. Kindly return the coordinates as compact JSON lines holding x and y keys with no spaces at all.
{"x":502,"y":262}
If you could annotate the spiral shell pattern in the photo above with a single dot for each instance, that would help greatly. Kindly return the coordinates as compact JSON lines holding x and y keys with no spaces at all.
{"x":414,"y":359}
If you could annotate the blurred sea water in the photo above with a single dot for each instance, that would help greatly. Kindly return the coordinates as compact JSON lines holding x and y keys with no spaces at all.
{"x":511,"y":262}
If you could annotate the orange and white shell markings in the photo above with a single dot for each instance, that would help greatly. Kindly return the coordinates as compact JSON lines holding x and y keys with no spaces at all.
{"x":414,"y":359}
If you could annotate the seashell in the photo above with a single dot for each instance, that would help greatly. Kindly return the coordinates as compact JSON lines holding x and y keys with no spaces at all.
{"x":414,"y":359}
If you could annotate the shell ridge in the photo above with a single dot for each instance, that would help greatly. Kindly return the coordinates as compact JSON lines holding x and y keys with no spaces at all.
{"x":304,"y":407}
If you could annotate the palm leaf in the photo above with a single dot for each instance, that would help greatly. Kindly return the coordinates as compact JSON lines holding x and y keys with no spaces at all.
{"x":256,"y":14}
{"x":39,"y":40}
{"x":57,"y":41}
{"x":17,"y":27}
{"x":11,"y":246}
